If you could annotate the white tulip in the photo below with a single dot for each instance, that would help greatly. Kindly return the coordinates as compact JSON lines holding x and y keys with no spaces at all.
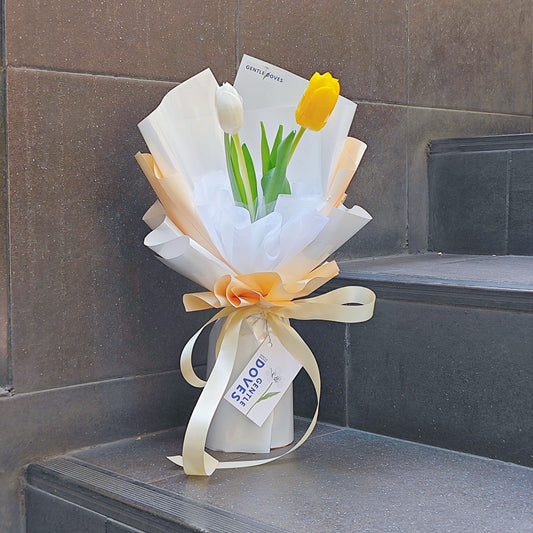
{"x":229,"y":108}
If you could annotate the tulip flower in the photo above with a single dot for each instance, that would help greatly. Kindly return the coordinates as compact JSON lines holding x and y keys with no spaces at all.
{"x":228,"y":103}
{"x":318,"y":101}
{"x":316,"y":104}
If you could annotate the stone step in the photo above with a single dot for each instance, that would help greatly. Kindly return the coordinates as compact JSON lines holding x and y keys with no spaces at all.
{"x":339,"y":480}
{"x":480,"y":195}
{"x":446,"y":360}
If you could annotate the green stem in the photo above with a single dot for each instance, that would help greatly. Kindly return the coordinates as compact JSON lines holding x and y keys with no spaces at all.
{"x":296,"y":141}
{"x":258,"y":399}
{"x":246,"y":178}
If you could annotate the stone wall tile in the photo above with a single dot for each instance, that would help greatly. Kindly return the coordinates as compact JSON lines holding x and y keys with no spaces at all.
{"x":452,"y":377}
{"x":471,"y":56}
{"x":89,"y":301}
{"x":157,"y":39}
{"x":379,"y":185}
{"x":364,"y":44}
{"x":53,"y":422}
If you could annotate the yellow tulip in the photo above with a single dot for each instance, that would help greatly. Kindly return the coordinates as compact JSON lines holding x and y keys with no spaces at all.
{"x":318,"y":101}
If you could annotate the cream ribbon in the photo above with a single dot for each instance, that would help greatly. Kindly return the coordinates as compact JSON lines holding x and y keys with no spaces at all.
{"x":267,"y":295}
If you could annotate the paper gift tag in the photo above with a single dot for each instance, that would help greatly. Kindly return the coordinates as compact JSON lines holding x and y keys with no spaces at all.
{"x":262,"y":383}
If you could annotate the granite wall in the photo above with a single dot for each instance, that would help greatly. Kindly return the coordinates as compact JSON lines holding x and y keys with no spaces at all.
{"x":90,"y":322}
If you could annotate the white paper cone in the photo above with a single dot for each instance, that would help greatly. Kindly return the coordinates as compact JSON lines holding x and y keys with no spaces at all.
{"x":183,"y":133}
{"x":155,"y":215}
{"x":184,"y":255}
{"x":342,"y":225}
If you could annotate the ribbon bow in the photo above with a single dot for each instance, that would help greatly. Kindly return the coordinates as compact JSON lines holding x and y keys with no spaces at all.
{"x":241,"y":297}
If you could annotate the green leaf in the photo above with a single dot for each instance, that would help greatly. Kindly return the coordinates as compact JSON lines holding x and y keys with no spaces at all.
{"x":251,"y":174}
{"x":265,"y":151}
{"x":266,"y":180}
{"x":275,"y":147}
{"x":229,"y":166}
{"x":232,"y":162}
{"x":286,"y":187}
{"x":275,"y":182}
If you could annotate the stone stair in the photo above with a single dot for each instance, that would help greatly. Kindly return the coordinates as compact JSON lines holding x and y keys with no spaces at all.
{"x":446,"y":361}
{"x":341,"y":480}
{"x":481,"y":195}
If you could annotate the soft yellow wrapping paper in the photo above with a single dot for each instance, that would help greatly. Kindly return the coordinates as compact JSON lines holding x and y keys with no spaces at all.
{"x":175,"y":197}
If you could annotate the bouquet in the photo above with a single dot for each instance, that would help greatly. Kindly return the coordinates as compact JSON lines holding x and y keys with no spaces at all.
{"x":251,"y":181}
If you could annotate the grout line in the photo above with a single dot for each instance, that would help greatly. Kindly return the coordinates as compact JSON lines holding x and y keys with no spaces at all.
{"x":335,"y":429}
{"x":407,"y":176}
{"x":3,"y":32}
{"x":99,"y":382}
{"x":93,"y":74}
{"x":428,"y":108}
{"x":237,"y":34}
{"x":407,"y":238}
{"x":132,"y":438}
{"x":408,"y":7}
{"x":508,"y":163}
{"x":7,"y":386}
{"x":437,"y":448}
{"x":175,"y":81}
{"x":159,"y":480}
{"x":347,"y":361}
{"x":7,"y":249}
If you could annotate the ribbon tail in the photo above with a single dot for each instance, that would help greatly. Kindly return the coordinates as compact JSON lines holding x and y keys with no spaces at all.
{"x":186,"y":367}
{"x":194,"y":459}
{"x":346,"y":304}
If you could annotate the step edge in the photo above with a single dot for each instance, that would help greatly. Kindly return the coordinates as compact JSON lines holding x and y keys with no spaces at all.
{"x":509,"y":142}
{"x":132,"y":502}
{"x":464,"y":293}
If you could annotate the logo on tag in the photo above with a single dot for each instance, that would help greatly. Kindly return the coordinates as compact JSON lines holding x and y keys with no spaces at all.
{"x":264,"y":380}
{"x":265,"y":72}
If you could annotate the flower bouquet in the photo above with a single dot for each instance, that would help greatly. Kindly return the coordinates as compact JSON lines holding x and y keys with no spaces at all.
{"x":253,"y":223}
